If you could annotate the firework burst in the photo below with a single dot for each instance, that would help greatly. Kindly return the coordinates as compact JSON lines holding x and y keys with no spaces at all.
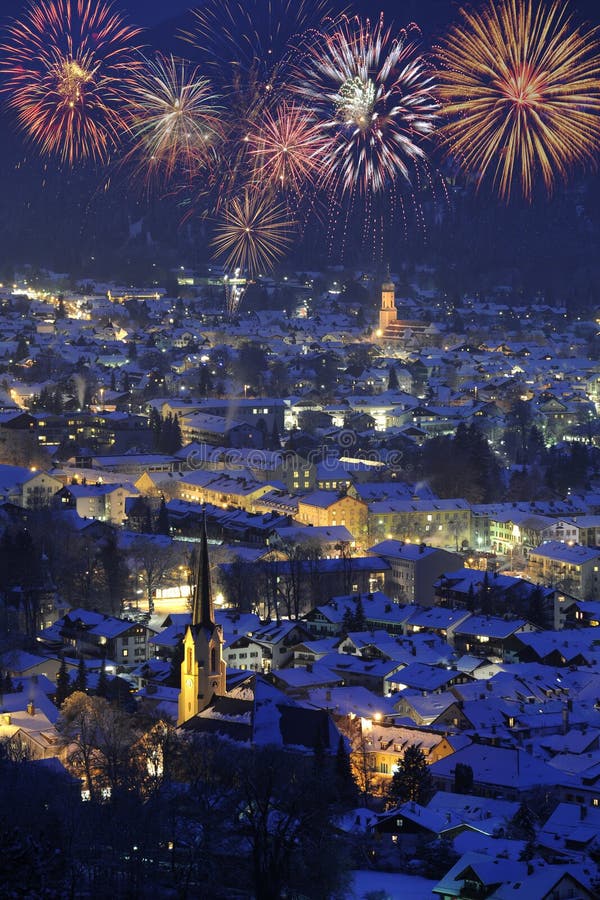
{"x":372,"y":96}
{"x":253,"y":233}
{"x":174,"y":117}
{"x":521,"y":88}
{"x":247,"y":44}
{"x":287,"y":148}
{"x":67,"y":64}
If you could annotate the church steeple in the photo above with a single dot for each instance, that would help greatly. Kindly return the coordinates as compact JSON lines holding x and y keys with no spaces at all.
{"x":203,"y":614}
{"x":387,"y":310}
{"x":203,"y":669}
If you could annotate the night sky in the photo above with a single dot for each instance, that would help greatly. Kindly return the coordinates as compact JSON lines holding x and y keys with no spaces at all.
{"x":553,"y":240}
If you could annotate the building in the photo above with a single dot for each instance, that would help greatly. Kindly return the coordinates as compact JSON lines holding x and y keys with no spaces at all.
{"x":105,"y":502}
{"x":330,"y":508}
{"x":573,"y":569}
{"x":414,"y":569}
{"x":27,"y":487}
{"x":393,"y":330}
{"x":203,"y":669}
{"x":93,"y":634}
{"x":224,"y":489}
{"x":440,"y":523}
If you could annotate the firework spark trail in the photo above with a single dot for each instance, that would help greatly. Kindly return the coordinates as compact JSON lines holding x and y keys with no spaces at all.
{"x":67,"y":65}
{"x":175,"y":119}
{"x":374,"y":98}
{"x":521,"y":90}
{"x":253,"y":232}
{"x":287,"y":148}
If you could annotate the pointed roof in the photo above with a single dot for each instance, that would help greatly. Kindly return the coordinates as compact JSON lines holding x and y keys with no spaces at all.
{"x":388,"y":284}
{"x":202,"y":607}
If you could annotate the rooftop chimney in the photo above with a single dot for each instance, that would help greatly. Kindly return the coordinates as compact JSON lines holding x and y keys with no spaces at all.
{"x":31,"y":708}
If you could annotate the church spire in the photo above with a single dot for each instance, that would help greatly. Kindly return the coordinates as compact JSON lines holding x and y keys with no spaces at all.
{"x":202,"y":606}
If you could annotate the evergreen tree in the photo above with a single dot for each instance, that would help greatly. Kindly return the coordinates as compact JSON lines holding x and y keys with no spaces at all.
{"x":275,"y":439}
{"x":80,"y":683}
{"x":103,"y":689}
{"x":393,"y":384}
{"x":63,"y":684}
{"x":360,"y":620}
{"x":165,"y":434}
{"x":176,"y":441}
{"x":347,"y":621}
{"x":162,"y":520}
{"x":346,"y":786}
{"x":155,"y":427}
{"x":22,"y":351}
{"x":412,"y":780}
{"x":463,"y":778}
{"x":471,"y":602}
{"x":536,"y":607}
{"x":523,"y":824}
{"x":176,"y":660}
{"x":205,"y":381}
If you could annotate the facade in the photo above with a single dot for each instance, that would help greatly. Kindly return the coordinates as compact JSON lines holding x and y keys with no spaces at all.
{"x":221,"y":489}
{"x":89,"y":633}
{"x":105,"y":502}
{"x":573,"y":569}
{"x":26,"y":487}
{"x":329,"y":508}
{"x":440,"y":523}
{"x":414,"y":569}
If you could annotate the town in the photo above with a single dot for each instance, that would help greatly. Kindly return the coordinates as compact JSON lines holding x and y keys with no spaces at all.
{"x":310,"y":580}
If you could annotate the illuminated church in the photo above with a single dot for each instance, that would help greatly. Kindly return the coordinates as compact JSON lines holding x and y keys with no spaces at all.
{"x":393,"y":330}
{"x":253,"y":710}
{"x":203,"y":669}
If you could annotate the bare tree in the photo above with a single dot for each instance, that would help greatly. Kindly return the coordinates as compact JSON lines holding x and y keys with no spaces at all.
{"x":153,"y":560}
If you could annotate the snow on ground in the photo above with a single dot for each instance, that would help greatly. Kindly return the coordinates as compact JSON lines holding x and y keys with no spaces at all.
{"x":397,"y":886}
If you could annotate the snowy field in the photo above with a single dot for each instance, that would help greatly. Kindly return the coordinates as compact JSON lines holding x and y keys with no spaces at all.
{"x":396,"y":886}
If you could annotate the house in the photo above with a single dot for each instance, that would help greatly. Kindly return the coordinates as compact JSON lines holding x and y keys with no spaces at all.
{"x":256,"y":712}
{"x":105,"y":502}
{"x":94,"y":634}
{"x":418,"y":676}
{"x":220,"y":431}
{"x":379,"y":611}
{"x":488,"y":636}
{"x":483,"y":875}
{"x":330,"y":508}
{"x":18,"y":439}
{"x":27,"y":487}
{"x":436,"y":620}
{"x":357,"y":670}
{"x":224,"y":489}
{"x":508,"y":773}
{"x":22,"y":664}
{"x":28,"y":729}
{"x":413,"y":569}
{"x":439,"y":523}
{"x":276,"y":641}
{"x":573,"y":569}
{"x":385,"y":744}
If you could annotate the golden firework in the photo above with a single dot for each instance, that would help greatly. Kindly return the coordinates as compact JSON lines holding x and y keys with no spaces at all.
{"x":520,"y":84}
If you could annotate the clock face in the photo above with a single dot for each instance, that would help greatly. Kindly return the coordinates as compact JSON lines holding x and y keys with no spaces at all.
{"x":189,"y":682}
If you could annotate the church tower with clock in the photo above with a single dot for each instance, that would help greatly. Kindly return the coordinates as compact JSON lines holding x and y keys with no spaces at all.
{"x":203,"y":669}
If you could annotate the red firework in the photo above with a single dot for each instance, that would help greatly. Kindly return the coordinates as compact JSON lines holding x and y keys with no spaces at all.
{"x":287,"y":148}
{"x":67,"y":65}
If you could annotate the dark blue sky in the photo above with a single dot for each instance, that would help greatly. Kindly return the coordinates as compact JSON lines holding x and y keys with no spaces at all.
{"x":428,"y":13}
